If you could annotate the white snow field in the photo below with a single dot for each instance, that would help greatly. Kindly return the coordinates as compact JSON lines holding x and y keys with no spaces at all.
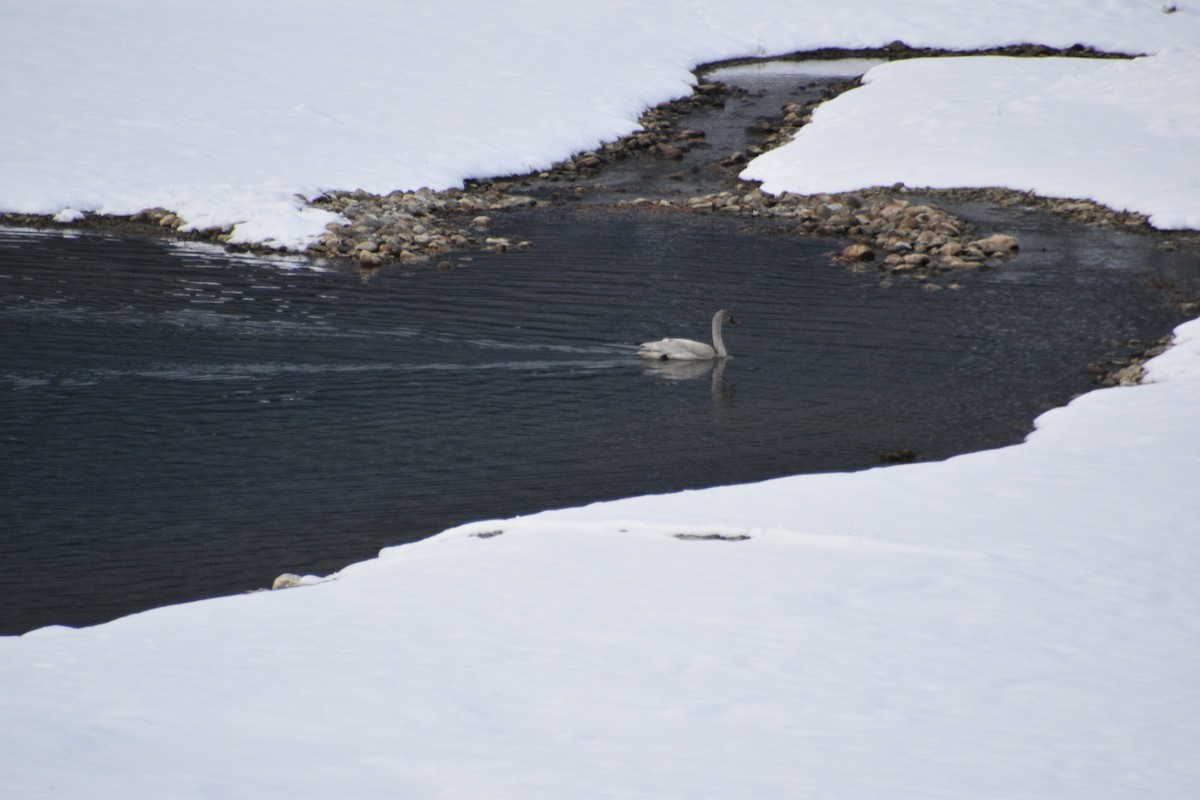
{"x":1017,"y":623}
{"x":1122,"y":133}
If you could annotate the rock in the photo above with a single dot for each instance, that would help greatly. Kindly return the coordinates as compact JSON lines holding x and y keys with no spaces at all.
{"x":858,"y":252}
{"x":929,"y":239}
{"x":370,"y":258}
{"x":1130,"y":375}
{"x":895,"y":244}
{"x":954,"y":262}
{"x":670,"y":151}
{"x":481,"y":222}
{"x":996,"y":244}
{"x":516,"y":202}
{"x":753,"y":199}
{"x":286,"y":581}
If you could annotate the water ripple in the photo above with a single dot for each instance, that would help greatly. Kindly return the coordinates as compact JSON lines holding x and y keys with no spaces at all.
{"x":180,"y":421}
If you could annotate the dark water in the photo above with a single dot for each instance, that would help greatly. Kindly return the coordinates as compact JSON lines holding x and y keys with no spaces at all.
{"x":729,"y":127}
{"x":180,"y":423}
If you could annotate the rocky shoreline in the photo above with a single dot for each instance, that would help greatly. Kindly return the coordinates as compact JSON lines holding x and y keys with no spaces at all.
{"x":886,"y":231}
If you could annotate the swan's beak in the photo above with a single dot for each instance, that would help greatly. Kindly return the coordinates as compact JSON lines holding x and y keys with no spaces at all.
{"x":733,"y":321}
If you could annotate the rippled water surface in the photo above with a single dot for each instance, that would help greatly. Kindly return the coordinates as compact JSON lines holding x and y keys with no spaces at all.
{"x":179,"y":422}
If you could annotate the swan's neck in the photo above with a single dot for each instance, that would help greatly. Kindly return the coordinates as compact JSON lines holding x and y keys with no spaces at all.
{"x":718,"y":342}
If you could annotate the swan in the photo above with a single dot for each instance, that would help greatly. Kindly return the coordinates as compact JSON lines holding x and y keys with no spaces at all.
{"x":687,"y":349}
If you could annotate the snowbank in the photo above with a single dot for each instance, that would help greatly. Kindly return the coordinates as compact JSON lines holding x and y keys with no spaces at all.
{"x":1122,"y":133}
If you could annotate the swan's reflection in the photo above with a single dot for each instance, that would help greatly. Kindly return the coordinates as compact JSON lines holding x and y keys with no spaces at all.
{"x":691,"y":370}
{"x":679,"y":370}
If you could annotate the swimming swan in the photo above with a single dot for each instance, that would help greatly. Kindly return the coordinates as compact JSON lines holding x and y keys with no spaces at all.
{"x":687,"y":349}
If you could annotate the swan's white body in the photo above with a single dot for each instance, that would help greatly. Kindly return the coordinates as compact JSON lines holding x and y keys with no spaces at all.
{"x":689,"y":349}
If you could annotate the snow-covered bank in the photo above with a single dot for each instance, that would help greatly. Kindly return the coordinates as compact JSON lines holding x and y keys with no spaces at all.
{"x":1123,"y":133}
{"x":226,"y":111}
{"x":1015,"y":623}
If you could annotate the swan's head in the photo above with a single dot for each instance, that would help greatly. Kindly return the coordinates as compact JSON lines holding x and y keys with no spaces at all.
{"x":724,"y":316}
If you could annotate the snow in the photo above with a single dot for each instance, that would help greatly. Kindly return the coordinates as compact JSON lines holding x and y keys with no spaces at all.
{"x":69,"y":215}
{"x":1122,"y":133}
{"x":1016,"y":623}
